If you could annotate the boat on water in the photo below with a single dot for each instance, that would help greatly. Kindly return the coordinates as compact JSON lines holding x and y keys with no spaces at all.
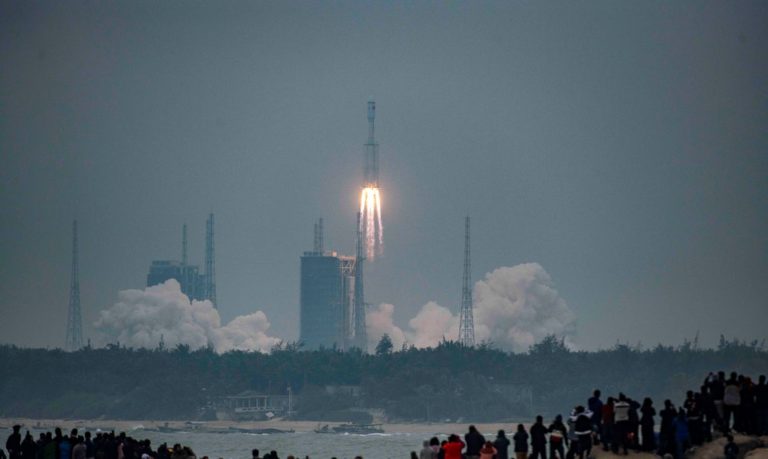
{"x":350,"y":428}
{"x":268,"y":431}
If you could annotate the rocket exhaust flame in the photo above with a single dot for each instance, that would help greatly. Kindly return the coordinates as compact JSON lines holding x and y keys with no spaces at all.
{"x":372,"y":231}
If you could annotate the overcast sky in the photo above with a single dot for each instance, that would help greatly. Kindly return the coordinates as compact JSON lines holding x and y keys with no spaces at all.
{"x":621,"y":145}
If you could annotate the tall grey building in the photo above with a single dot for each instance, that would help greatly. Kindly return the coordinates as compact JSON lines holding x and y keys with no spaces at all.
{"x":195,"y":284}
{"x":327,"y":298}
{"x":189,"y":277}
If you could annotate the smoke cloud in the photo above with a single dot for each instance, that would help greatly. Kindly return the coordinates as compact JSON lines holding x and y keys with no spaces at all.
{"x":141,"y":317}
{"x":514,"y":307}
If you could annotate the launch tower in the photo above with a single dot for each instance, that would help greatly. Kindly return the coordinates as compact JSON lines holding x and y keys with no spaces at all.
{"x":210,"y":263}
{"x":74,"y":320}
{"x":466,"y":319}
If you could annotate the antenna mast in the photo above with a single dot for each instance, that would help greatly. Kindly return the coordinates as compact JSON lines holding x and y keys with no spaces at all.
{"x":466,"y":319}
{"x":210,"y":265}
{"x":74,"y":320}
{"x":184,"y":245}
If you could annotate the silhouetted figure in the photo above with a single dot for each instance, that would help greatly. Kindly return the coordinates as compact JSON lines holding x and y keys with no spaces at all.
{"x":595,"y":405}
{"x":708,"y":413}
{"x":622,"y":425}
{"x":521,"y":442}
{"x":746,"y":411}
{"x":761,"y":406}
{"x":255,"y":454}
{"x":731,"y":403}
{"x":78,"y":449}
{"x":647,"y":412}
{"x":28,"y":447}
{"x":13,"y":443}
{"x":538,"y":439}
{"x":558,"y":437}
{"x":608,"y":424}
{"x":682,"y":435}
{"x":90,"y":449}
{"x":501,"y":443}
{"x":582,"y":420}
{"x":50,"y":449}
{"x":441,"y":452}
{"x":692,"y":407}
{"x":667,"y":430}
{"x":65,"y":448}
{"x":475,"y":442}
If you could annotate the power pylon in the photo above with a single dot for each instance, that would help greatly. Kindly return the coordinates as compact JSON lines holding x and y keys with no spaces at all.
{"x":74,"y":318}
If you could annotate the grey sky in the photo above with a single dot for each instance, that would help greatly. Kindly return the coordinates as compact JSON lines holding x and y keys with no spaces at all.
{"x":621,"y":145}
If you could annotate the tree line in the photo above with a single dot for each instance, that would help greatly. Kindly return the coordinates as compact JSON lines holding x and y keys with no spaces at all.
{"x":447,"y":382}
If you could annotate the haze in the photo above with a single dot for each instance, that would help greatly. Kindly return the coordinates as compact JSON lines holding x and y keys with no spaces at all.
{"x":620,"y":145}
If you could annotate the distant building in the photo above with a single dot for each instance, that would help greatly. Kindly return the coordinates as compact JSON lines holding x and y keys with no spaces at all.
{"x":252,"y":406}
{"x":189,"y":277}
{"x":327,"y":300}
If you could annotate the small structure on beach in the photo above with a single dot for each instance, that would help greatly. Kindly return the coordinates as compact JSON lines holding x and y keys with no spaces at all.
{"x":251,"y":406}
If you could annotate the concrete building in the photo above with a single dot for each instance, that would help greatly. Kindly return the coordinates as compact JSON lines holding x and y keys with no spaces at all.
{"x":327,"y":300}
{"x":189,"y":277}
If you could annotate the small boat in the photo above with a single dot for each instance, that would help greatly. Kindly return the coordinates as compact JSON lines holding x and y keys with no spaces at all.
{"x":268,"y":431}
{"x":361,"y":429}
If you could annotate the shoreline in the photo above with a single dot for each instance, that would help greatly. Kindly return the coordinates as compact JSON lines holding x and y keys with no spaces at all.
{"x":122,"y":425}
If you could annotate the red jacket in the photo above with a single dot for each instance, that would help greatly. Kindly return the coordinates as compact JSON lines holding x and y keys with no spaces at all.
{"x":453,"y":449}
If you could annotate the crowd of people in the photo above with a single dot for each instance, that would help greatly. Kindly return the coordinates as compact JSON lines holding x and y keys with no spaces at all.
{"x":620,"y":424}
{"x":104,"y":445}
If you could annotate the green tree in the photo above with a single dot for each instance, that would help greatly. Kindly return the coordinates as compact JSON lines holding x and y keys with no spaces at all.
{"x":385,"y":345}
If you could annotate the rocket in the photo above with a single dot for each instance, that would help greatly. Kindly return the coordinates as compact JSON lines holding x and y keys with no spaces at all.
{"x":371,"y":160}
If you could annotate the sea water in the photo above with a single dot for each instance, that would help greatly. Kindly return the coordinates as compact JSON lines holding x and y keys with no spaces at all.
{"x":300,"y":444}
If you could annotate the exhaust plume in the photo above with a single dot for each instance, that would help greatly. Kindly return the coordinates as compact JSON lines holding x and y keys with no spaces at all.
{"x":514,"y":307}
{"x":142,"y":318}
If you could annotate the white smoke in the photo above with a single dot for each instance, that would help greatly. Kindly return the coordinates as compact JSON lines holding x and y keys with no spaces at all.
{"x":141,"y":318}
{"x":514,"y":307}
{"x":518,"y":306}
{"x":378,"y":322}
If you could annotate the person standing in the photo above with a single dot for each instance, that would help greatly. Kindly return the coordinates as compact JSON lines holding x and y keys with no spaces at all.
{"x":607,"y":429}
{"x":647,"y":412}
{"x":475,"y":442}
{"x":761,"y":405}
{"x":557,"y":437}
{"x":731,"y":403}
{"x":521,"y":442}
{"x":621,"y":424}
{"x":667,"y":431}
{"x":13,"y":443}
{"x":582,"y":420}
{"x":28,"y":447}
{"x":79,"y":450}
{"x":538,"y":439}
{"x":453,"y":447}
{"x":502,"y":445}
{"x":595,"y":405}
{"x":426,"y":451}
